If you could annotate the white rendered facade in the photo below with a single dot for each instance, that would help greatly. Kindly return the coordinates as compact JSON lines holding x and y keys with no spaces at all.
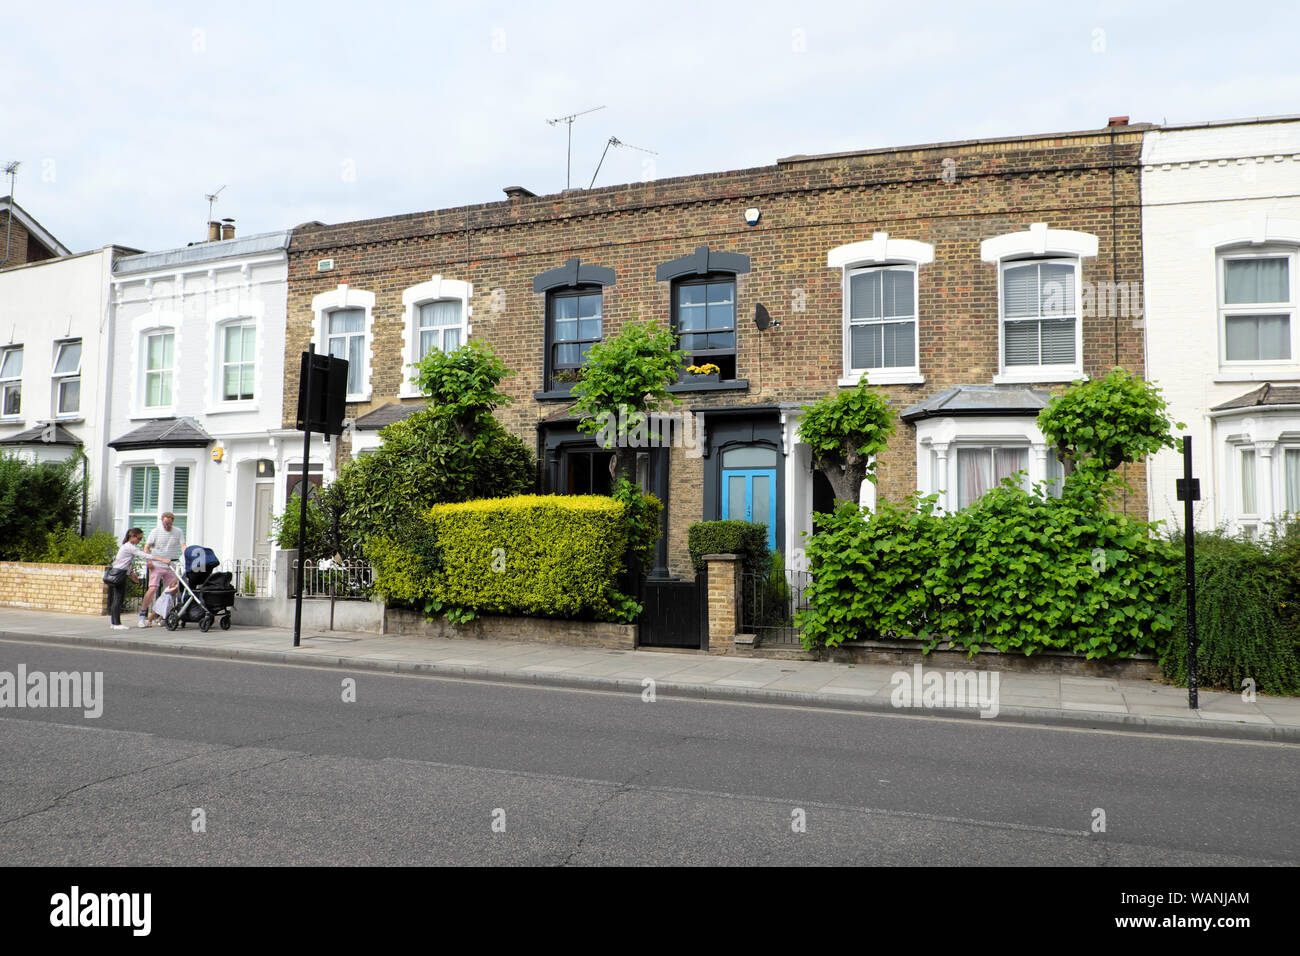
{"x":1221,"y":249}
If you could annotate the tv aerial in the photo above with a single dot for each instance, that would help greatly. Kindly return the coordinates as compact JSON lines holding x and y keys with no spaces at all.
{"x":615,"y":141}
{"x":568,"y":162}
{"x":212,"y":198}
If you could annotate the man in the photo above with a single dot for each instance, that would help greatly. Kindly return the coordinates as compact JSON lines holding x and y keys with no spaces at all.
{"x":163,"y":542}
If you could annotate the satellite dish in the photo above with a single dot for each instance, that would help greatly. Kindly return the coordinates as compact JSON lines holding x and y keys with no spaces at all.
{"x":763,"y":318}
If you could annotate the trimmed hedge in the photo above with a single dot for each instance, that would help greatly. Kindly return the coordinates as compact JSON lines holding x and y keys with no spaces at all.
{"x":745,"y":538}
{"x":533,"y":555}
{"x":65,"y":546}
{"x":1247,"y":614}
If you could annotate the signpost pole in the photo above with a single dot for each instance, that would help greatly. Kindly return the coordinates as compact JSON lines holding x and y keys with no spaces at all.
{"x":306,"y":484}
{"x":1189,"y":493}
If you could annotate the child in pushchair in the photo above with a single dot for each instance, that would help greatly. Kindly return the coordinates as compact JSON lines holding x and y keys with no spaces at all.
{"x":206,"y":595}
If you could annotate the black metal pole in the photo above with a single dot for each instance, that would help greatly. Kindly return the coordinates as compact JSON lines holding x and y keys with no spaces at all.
{"x":302,"y":512}
{"x":1189,"y":565}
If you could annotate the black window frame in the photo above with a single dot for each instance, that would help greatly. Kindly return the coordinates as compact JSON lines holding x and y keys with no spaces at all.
{"x":553,"y":296}
{"x":705,"y":356}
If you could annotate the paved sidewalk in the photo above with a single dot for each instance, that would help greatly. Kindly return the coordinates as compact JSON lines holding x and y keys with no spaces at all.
{"x":1025,"y":698}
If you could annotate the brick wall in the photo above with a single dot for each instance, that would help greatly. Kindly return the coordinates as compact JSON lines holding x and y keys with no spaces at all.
{"x":70,"y":588}
{"x":492,"y":627}
{"x":1087,"y":182}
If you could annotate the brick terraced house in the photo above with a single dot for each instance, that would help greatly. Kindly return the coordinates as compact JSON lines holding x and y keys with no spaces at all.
{"x":967,"y":279}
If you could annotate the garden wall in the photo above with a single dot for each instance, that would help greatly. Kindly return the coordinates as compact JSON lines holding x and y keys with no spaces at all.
{"x":70,"y":588}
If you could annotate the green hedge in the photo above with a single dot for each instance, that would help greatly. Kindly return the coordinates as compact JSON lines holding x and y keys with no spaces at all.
{"x":533,"y":555}
{"x":1247,"y":614}
{"x":1015,"y":572}
{"x":745,"y":538}
{"x":67,"y":547}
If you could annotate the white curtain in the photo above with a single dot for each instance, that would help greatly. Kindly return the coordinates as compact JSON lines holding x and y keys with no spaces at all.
{"x":1292,"y":480}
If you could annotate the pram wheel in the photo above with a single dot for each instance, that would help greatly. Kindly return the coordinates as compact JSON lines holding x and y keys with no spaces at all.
{"x":205,"y":623}
{"x":173,"y":620}
{"x":225,"y":623}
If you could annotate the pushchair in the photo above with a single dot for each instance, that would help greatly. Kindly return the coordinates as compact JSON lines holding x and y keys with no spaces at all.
{"x":207,"y":594}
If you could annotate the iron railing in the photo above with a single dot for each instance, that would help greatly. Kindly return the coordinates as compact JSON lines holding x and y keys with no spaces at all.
{"x":769,"y":600}
{"x":251,"y":577}
{"x":350,"y":580}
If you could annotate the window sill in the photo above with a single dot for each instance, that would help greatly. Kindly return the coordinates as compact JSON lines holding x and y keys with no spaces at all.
{"x":735,"y":385}
{"x":70,"y":419}
{"x":555,"y":395}
{"x":232,"y":408}
{"x":901,"y":377}
{"x":12,"y":421}
{"x":147,"y":414}
{"x":1039,"y":376}
{"x":1272,"y":373}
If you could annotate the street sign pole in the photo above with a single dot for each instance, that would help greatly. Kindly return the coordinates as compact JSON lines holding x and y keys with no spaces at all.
{"x":306,"y":484}
{"x":1189,"y":491}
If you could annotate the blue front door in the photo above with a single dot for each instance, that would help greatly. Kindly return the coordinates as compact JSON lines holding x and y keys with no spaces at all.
{"x":749,"y":494}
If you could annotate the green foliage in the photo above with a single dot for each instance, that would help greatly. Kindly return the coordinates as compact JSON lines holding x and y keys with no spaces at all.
{"x":845,"y":432}
{"x":1016,"y":572}
{"x":1247,"y":614}
{"x":641,"y":511}
{"x":424,"y":461}
{"x":745,"y":538}
{"x":284,"y":527}
{"x":1106,"y":422}
{"x":544,"y":556}
{"x":66,"y":546}
{"x":631,"y":370}
{"x":774,"y":595}
{"x":462,"y":384}
{"x":35,"y":499}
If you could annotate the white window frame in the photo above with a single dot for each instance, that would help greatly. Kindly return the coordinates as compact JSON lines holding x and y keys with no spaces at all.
{"x":141,"y":328}
{"x":8,"y":383}
{"x":344,"y":297}
{"x":223,"y":329}
{"x":1224,"y":311}
{"x":880,"y":251}
{"x":146,"y":371}
{"x":938,"y":439}
{"x":1039,"y":243}
{"x":437,"y":289}
{"x":59,"y":379}
{"x":1269,"y":431}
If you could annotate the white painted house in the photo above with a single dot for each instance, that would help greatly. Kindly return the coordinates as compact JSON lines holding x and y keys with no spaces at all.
{"x":197,"y":397}
{"x":1221,"y":244}
{"x":54,"y":369}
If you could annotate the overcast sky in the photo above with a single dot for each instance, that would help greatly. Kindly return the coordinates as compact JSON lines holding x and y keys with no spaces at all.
{"x":125,"y":114}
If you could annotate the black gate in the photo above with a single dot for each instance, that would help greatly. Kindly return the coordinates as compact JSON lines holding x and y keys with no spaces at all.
{"x":675,"y":613}
{"x":771,"y":600}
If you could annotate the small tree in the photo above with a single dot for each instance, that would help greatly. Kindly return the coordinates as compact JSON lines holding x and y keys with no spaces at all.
{"x":1102,"y":424}
{"x":35,"y":499}
{"x":462,"y":385}
{"x":846,"y":432}
{"x":627,"y":377}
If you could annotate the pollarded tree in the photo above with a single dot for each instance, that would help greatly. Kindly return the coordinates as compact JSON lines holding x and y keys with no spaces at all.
{"x":1102,"y":424}
{"x":627,"y":377}
{"x":846,"y":432}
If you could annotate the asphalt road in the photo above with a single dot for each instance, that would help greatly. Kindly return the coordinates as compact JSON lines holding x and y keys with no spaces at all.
{"x":436,"y":771}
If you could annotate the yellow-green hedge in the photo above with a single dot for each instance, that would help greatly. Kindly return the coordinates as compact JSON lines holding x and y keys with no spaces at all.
{"x":532,"y":555}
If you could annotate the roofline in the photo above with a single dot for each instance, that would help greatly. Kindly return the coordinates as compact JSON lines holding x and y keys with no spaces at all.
{"x":1221,"y":412}
{"x":959,"y":143}
{"x":219,"y":249}
{"x":1248,"y":121}
{"x":114,"y":252}
{"x":910,"y":416}
{"x":35,"y":228}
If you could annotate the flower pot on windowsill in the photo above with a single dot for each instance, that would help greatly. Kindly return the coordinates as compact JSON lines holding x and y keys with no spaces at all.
{"x":695,"y":378}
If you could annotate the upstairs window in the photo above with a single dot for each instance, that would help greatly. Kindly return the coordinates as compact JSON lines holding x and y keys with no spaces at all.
{"x":1040,"y":316}
{"x":1256,"y":305}
{"x":67,"y":377}
{"x":238,"y":362}
{"x":705,"y":322}
{"x":574,"y":326}
{"x":882,"y":318}
{"x":346,"y":339}
{"x":440,"y":326}
{"x":159,"y":358}
{"x":11,"y":381}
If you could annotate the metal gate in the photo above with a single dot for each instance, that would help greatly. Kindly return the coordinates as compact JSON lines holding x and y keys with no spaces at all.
{"x":770,"y":603}
{"x":675,"y":613}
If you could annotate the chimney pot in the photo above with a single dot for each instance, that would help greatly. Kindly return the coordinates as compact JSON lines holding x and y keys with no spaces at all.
{"x":1117,"y":121}
{"x":518,"y":192}
{"x":227,"y":229}
{"x":214,"y":231}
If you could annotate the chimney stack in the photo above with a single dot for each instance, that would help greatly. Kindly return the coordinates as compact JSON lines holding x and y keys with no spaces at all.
{"x":227,"y":229}
{"x":1117,"y":121}
{"x":214,"y":230}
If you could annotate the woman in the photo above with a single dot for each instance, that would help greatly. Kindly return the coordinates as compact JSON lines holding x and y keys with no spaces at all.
{"x":126,"y":555}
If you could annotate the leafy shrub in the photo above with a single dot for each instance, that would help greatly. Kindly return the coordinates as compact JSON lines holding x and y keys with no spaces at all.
{"x":845,"y":432}
{"x":35,"y":499}
{"x":65,"y":546}
{"x":1016,"y":572}
{"x":284,"y":526}
{"x":773,"y":595}
{"x":641,"y":511}
{"x":745,"y":538}
{"x":535,"y":555}
{"x":1247,"y":614}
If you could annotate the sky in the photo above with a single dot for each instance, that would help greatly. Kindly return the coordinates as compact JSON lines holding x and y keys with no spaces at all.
{"x":125,"y":114}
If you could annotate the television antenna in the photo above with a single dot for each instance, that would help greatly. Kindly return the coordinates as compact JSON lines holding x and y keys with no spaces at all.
{"x":568,"y":162}
{"x":212,"y":198}
{"x":615,"y":141}
{"x":11,"y":170}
